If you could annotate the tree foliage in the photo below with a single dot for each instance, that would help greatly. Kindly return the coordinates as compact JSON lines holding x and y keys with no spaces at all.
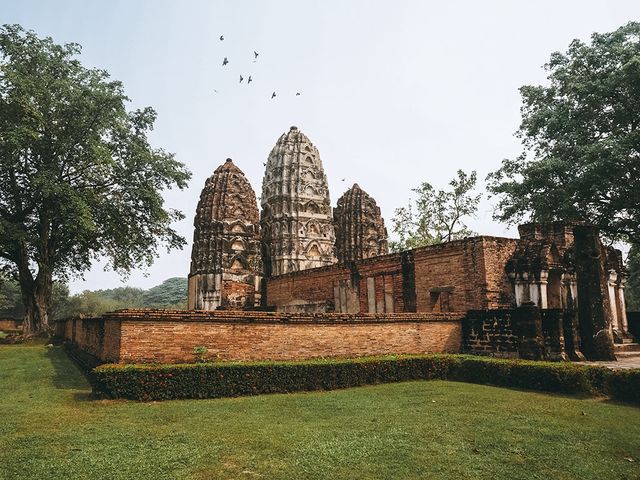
{"x":581,"y":138}
{"x":78,"y":177}
{"x":172,"y":293}
{"x":11,"y":305}
{"x":436,"y":216}
{"x":632,"y":293}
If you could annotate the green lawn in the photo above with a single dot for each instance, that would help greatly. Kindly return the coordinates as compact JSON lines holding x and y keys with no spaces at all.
{"x":50,"y":429}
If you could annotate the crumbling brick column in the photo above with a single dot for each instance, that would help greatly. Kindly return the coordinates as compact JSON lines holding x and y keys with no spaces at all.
{"x":527,"y":324}
{"x":594,"y":311}
{"x":571,"y":337}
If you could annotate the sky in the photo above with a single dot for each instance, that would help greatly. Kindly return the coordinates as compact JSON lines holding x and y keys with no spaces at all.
{"x":392,"y":93}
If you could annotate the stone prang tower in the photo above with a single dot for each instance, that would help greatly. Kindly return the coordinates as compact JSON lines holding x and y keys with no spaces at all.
{"x":296,"y":222}
{"x":360,"y":231}
{"x":226,"y":267}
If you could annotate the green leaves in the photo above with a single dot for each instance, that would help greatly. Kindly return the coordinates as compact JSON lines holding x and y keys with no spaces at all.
{"x":582,"y":140}
{"x":78,"y":177}
{"x":437,"y":216}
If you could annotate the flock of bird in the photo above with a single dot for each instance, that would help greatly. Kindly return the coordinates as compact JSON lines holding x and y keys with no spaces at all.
{"x":225,"y":62}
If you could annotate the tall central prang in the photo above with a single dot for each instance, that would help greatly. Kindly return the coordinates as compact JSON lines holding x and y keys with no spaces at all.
{"x":296,"y":220}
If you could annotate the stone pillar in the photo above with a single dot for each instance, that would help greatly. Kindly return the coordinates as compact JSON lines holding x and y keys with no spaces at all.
{"x":528,"y":329}
{"x":624,"y":323}
{"x":543,"y":283}
{"x":573,"y":288}
{"x":611,"y":287}
{"x":534,"y":290}
{"x":594,"y":311}
{"x":519,"y":287}
{"x":564,"y":285}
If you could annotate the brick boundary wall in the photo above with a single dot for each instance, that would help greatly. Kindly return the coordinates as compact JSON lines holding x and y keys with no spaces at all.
{"x":169,"y":336}
{"x":490,"y":332}
{"x":10,"y":324}
{"x":507,"y":333}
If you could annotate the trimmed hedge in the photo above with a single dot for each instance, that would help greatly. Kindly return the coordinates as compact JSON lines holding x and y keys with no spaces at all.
{"x":211,"y":380}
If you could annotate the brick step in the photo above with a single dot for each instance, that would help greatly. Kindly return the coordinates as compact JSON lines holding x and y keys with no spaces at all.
{"x":626,"y":341}
{"x":626,"y":347}
{"x":622,"y":356}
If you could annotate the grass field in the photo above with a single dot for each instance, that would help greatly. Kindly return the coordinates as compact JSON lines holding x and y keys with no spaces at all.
{"x":51,"y":429}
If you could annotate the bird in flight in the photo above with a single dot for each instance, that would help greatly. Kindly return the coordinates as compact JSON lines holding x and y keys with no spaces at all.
{"x":249,"y":79}
{"x":225,"y":61}
{"x":343,"y":179}
{"x":273,"y":95}
{"x":255,"y":55}
{"x":297,"y":94}
{"x":221,"y":37}
{"x":241,"y":78}
{"x":216,"y":91}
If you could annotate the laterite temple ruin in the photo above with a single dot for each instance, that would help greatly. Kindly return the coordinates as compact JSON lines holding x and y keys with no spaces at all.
{"x":314,"y":260}
{"x":303,"y":280}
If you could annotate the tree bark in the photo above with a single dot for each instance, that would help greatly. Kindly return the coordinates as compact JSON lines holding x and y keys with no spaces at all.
{"x":36,"y":295}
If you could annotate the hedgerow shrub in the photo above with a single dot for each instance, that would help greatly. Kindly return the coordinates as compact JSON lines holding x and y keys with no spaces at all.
{"x":210,"y":380}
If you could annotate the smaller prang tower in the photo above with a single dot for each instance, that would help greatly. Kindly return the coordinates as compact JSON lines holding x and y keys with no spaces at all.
{"x":360,"y":231}
{"x":226,"y":267}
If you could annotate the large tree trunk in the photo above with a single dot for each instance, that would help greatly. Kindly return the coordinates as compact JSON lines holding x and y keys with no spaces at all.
{"x":36,"y":296}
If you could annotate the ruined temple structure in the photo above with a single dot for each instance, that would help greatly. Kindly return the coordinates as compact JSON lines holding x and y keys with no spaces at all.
{"x":226,"y":267}
{"x":555,"y":293}
{"x":551,"y":266}
{"x":360,"y":231}
{"x":296,"y":222}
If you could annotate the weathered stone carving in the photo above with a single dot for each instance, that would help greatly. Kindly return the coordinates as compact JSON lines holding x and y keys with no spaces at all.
{"x":225,"y":259}
{"x":360,"y":231}
{"x":297,"y":229}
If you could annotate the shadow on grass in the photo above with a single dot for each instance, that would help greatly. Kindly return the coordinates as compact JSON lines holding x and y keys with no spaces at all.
{"x":67,"y":375}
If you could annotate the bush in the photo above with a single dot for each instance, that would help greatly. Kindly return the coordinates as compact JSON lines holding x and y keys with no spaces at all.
{"x":211,"y":380}
{"x":624,"y":385}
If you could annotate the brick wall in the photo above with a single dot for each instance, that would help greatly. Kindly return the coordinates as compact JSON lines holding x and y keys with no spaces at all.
{"x":509,"y":333}
{"x":310,"y":290}
{"x":553,"y":332}
{"x":451,"y":277}
{"x":10,"y":324}
{"x":165,"y":336}
{"x":498,"y":291}
{"x":384,"y":274}
{"x":490,"y":332}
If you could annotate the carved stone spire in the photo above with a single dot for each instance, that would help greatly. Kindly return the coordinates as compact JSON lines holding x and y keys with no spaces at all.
{"x":225,"y":259}
{"x":297,"y":229}
{"x":360,"y":231}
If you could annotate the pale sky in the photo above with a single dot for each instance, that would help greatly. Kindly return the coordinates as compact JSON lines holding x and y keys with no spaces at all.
{"x":393,"y":93}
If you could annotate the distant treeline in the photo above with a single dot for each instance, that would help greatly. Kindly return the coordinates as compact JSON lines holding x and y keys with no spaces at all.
{"x":172,"y":293}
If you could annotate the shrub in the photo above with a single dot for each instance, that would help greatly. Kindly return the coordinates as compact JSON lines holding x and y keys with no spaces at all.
{"x":228,"y":379}
{"x":624,"y":385}
{"x":199,"y":353}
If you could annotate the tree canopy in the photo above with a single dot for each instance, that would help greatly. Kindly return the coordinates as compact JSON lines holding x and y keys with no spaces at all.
{"x":436,"y":216}
{"x":581,"y":138}
{"x":78,"y":177}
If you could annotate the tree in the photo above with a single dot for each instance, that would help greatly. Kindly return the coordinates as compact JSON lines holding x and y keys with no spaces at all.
{"x":581,"y":138}
{"x":632,"y":293}
{"x":170,"y":293}
{"x":11,"y":305}
{"x":437,"y":216}
{"x":78,"y":177}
